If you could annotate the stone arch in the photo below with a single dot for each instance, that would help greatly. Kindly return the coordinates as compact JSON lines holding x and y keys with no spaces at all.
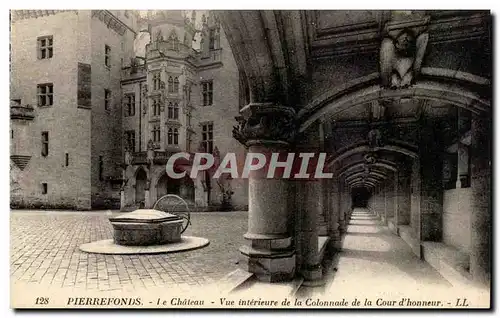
{"x":450,"y":86}
{"x":384,"y":164}
{"x":362,"y":148}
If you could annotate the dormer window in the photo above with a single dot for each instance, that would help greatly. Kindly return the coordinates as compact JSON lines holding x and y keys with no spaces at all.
{"x":211,"y":39}
{"x":174,"y":42}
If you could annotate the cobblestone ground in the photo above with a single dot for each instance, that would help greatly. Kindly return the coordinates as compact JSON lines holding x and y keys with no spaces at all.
{"x":44,"y":250}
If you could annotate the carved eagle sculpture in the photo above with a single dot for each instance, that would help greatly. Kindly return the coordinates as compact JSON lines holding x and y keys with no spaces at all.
{"x":401,"y":58}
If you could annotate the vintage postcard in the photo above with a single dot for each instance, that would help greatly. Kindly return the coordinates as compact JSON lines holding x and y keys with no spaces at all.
{"x":251,"y":159}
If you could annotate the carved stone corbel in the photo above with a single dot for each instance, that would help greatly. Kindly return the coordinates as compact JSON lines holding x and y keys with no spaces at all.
{"x":265,"y":123}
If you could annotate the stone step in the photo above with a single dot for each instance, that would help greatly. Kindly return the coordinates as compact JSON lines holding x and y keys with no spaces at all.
{"x":233,"y":280}
{"x":451,"y":263}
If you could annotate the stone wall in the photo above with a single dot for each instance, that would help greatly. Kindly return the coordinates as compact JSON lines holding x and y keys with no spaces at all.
{"x":68,"y":126}
{"x":456,"y":218}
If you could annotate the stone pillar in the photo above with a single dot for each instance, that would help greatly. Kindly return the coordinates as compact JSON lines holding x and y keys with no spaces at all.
{"x":122,"y":200}
{"x":266,"y":128}
{"x":310,"y":195}
{"x":334,"y":209}
{"x":342,"y":221}
{"x":431,"y":186}
{"x":389,"y":197}
{"x":147,"y":199}
{"x":395,"y":200}
{"x":322,"y":217}
{"x":480,"y":266}
{"x":311,"y":208}
{"x":403,"y":194}
{"x":462,"y":166}
{"x":323,"y":211}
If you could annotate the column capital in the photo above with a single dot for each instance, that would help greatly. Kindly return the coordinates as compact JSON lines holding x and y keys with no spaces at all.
{"x":265,"y":123}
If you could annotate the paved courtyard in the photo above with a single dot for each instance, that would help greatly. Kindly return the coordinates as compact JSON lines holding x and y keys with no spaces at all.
{"x":44,"y":251}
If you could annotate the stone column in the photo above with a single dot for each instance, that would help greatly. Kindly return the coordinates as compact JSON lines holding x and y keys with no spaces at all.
{"x":122,"y":200}
{"x":311,"y":206}
{"x":395,"y":200}
{"x":334,"y":200}
{"x":431,"y":186}
{"x":147,"y":197}
{"x":325,"y":210}
{"x":266,"y":128}
{"x":403,"y":195}
{"x":480,"y":266}
{"x":322,"y":217}
{"x":462,"y":166}
{"x":389,"y":197}
{"x":342,"y":221}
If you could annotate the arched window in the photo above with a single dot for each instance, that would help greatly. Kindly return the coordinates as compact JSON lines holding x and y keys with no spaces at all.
{"x":170,"y":84}
{"x":176,"y":136}
{"x":176,"y":85}
{"x":174,"y":42}
{"x":156,"y":107}
{"x":173,"y":136}
{"x":176,"y":111}
{"x":170,"y":110}
{"x":170,"y":136}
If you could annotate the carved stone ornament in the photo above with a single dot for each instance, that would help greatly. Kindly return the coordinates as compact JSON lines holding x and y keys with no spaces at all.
{"x":370,"y":158}
{"x":375,"y":138}
{"x":265,"y":122}
{"x":128,"y":157}
{"x":401,"y":54}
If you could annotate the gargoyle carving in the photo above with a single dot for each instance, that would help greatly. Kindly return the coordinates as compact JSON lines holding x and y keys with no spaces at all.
{"x":401,"y":58}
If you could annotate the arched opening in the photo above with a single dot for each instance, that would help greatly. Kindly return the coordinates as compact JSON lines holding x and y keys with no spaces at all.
{"x":360,"y":196}
{"x":182,"y":187}
{"x":427,"y":190}
{"x":140,"y":186}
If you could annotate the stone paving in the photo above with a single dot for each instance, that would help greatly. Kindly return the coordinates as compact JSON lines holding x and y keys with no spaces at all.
{"x":44,"y":251}
{"x":377,"y":265}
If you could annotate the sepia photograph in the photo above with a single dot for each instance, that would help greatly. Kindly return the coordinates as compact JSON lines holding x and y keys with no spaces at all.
{"x":251,"y":159}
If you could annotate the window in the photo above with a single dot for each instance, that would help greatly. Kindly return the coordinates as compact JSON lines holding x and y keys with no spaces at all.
{"x":156,"y":133}
{"x":173,"y":136}
{"x":45,"y":143}
{"x":176,"y":85}
{"x":44,"y":188}
{"x":207,"y":91}
{"x":188,"y":93}
{"x":45,"y":94}
{"x":170,"y":84}
{"x":101,"y":168}
{"x":207,"y":137}
{"x":173,"y":110}
{"x":188,"y":117}
{"x":66,"y":159}
{"x":130,"y":105}
{"x":211,"y":41}
{"x":174,"y":42}
{"x":107,"y":55}
{"x":12,"y":134}
{"x":107,"y":99}
{"x":45,"y":47}
{"x":156,"y":106}
{"x":130,"y":139}
{"x":156,"y":81}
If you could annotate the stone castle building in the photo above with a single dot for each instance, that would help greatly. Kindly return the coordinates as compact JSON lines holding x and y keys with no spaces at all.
{"x":101,"y":98}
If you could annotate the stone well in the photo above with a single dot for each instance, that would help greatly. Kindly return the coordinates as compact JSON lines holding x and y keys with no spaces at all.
{"x":145,"y":227}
